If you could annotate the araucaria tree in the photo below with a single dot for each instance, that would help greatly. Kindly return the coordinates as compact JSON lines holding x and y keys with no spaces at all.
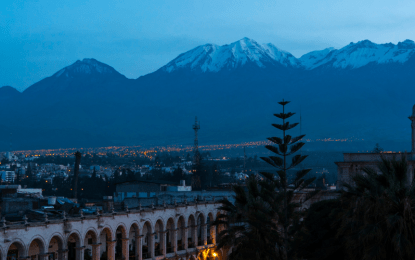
{"x":260,"y":223}
{"x":281,"y":188}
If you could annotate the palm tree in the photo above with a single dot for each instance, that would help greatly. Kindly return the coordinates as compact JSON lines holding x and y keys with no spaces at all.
{"x":378,"y":220}
{"x":248,"y":225}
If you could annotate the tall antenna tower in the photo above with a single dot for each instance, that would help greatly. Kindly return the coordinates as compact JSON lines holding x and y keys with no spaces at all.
{"x":196,"y":127}
{"x":244,"y":160}
{"x":10,"y":142}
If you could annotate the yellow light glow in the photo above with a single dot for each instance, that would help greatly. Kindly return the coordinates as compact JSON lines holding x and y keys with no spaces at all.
{"x":214,"y":254}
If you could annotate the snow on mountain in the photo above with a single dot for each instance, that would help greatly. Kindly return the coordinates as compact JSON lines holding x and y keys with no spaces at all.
{"x":212,"y":58}
{"x":281,"y":56}
{"x":85,"y":67}
{"x":356,"y":55}
{"x":313,"y":59}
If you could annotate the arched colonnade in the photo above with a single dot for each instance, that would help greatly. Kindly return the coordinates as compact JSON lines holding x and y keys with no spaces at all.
{"x":168,"y":235}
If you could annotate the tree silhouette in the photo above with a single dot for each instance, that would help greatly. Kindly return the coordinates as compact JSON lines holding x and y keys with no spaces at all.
{"x":281,"y":190}
{"x":377,"y":149}
{"x":378,"y":220}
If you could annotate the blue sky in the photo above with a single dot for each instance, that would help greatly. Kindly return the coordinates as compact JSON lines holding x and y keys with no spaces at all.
{"x":137,"y":37}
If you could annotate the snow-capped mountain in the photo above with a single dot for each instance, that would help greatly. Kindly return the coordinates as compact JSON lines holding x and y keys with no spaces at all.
{"x":356,"y":55}
{"x":311,"y":59}
{"x":88,"y":103}
{"x":213,"y":58}
{"x":85,"y":67}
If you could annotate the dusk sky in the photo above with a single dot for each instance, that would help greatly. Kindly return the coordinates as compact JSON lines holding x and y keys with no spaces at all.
{"x":137,"y":37}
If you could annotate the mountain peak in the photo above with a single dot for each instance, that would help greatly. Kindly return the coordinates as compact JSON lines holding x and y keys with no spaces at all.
{"x":87,"y":66}
{"x":8,"y":92}
{"x":8,"y":88}
{"x":407,"y":44}
{"x":365,"y":44}
{"x":356,"y":55}
{"x":214,"y":58}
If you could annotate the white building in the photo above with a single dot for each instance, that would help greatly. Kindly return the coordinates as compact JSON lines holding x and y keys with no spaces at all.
{"x":7,"y":176}
{"x":182,"y":232}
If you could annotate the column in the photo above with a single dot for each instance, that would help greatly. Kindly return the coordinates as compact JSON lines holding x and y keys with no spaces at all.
{"x":194,"y":234}
{"x":213,"y":234}
{"x":174,"y":242}
{"x":204,"y":234}
{"x":138,"y":247}
{"x":151,"y":245}
{"x":111,"y":250}
{"x":164,"y":243}
{"x":186,"y":236}
{"x":96,"y":251}
{"x":63,"y":254}
{"x":80,"y":253}
{"x":125,"y":249}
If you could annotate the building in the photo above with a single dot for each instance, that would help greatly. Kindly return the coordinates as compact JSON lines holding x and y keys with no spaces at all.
{"x":354,"y":163}
{"x":7,"y":176}
{"x":181,"y":232}
{"x":146,"y":193}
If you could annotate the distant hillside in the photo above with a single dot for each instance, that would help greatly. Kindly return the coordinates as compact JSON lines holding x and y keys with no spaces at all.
{"x":362,"y":91}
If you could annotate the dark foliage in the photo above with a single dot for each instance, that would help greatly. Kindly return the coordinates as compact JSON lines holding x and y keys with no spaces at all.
{"x":316,"y":240}
{"x":378,"y":220}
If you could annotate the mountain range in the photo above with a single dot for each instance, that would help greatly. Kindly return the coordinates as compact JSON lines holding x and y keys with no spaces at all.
{"x":361,"y":91}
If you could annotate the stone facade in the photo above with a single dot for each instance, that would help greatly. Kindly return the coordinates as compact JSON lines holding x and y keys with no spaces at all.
{"x":180,"y":231}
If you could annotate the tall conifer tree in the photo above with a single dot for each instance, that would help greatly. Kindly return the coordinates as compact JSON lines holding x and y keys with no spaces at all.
{"x":281,"y":189}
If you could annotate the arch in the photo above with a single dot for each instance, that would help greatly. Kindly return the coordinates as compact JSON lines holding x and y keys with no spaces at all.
{"x":16,"y":250}
{"x":108,"y":232}
{"x":36,"y":248}
{"x":181,"y":229}
{"x":211,"y":231}
{"x":200,"y":229}
{"x":159,"y":237}
{"x":133,"y":234}
{"x":121,"y":228}
{"x":191,"y":236}
{"x":120,"y":235}
{"x":105,"y":235}
{"x":201,"y":217}
{"x":170,"y":243}
{"x":73,"y":242}
{"x":147,"y":240}
{"x":91,"y":238}
{"x":55,"y":246}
